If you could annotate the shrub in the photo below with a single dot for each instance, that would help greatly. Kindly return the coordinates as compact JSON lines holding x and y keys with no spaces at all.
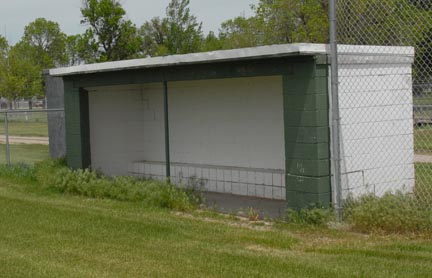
{"x":313,"y":215}
{"x":53,"y":175}
{"x":391,"y":213}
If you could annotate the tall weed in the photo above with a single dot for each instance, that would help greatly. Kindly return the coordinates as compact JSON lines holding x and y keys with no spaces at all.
{"x":391,"y":213}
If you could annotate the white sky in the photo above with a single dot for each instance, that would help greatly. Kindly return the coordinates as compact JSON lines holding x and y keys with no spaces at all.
{"x":15,"y":14}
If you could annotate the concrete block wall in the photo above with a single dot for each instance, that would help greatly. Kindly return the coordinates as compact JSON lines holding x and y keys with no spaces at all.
{"x":307,"y":136}
{"x":229,"y":133}
{"x":376,"y":111}
{"x":260,"y":183}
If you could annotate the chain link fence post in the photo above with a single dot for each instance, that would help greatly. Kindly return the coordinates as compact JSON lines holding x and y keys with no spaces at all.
{"x":8,"y":159}
{"x":337,"y":190}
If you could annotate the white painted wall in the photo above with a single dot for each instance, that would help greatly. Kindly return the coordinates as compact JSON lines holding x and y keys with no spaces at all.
{"x":228,"y":132}
{"x":376,"y":111}
{"x":126,"y":124}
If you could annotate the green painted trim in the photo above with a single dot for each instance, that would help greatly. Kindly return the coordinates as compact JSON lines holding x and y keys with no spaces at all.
{"x":307,"y":167}
{"x":307,"y":136}
{"x":322,"y":59}
{"x":308,"y":184}
{"x":307,"y":151}
{"x":307,"y":102}
{"x":77,"y":127}
{"x":289,"y":66}
{"x":318,"y":118}
{"x":311,"y":135}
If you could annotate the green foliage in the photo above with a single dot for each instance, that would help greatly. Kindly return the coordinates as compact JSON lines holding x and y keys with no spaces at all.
{"x":278,"y":21}
{"x":53,"y":175}
{"x":47,"y":41}
{"x":241,"y":32}
{"x":20,"y":74}
{"x":314,"y":215}
{"x":178,"y":33}
{"x":392,"y":213}
{"x":41,"y":47}
{"x":110,"y":36}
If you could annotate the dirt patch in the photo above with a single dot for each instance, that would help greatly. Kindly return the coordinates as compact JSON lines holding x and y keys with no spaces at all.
{"x":25,"y":140}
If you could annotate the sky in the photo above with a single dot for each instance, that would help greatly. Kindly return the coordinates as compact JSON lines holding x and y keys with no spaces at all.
{"x":16,"y":14}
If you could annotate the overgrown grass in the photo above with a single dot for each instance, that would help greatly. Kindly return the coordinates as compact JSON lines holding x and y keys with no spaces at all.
{"x":54,"y":176}
{"x":54,"y":235}
{"x":391,"y":213}
{"x":314,"y":215}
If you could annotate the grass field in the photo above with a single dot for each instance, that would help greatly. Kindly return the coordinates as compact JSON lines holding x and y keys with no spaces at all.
{"x":22,"y":153}
{"x":423,"y":140}
{"x":50,"y":235}
{"x":30,"y":124}
{"x":23,"y":128}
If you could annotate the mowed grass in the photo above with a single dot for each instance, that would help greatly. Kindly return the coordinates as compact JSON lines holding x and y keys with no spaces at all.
{"x":52,"y":235}
{"x":423,"y":140}
{"x":26,"y":124}
{"x":25,"y":128}
{"x":23,"y":153}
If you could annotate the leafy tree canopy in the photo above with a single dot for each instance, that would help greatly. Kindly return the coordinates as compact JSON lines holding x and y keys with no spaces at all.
{"x":110,"y":36}
{"x":47,"y":42}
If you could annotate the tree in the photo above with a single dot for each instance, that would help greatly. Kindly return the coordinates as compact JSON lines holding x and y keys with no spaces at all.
{"x":47,"y":42}
{"x":178,"y":33}
{"x":278,"y":21}
{"x":154,"y":34}
{"x":212,"y":42}
{"x":20,"y":76}
{"x":3,"y":47}
{"x":184,"y":33}
{"x":110,"y":36}
{"x":241,"y":32}
{"x":391,"y":22}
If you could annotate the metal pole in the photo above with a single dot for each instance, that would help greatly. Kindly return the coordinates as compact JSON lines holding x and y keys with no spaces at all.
{"x":8,"y":160}
{"x":337,"y":182}
{"x":166,"y":123}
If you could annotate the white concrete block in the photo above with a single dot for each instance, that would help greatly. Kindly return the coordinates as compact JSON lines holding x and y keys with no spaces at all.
{"x":268,"y":180}
{"x":268,"y":192}
{"x":259,"y":178}
{"x":243,"y":176}
{"x":227,"y":175}
{"x":251,"y":190}
{"x":260,"y":191}
{"x":251,"y":177}
{"x":277,"y":179}
{"x":236,"y":188}
{"x":243,"y":189}
{"x":235,"y":177}
{"x":227,"y":187}
{"x":277,"y":193}
{"x":220,"y":186}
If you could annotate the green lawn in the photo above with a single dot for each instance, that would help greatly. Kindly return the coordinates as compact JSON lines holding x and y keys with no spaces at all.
{"x":26,"y":128}
{"x":22,"y":153}
{"x":423,"y":100}
{"x":50,"y":235}
{"x":423,"y":140}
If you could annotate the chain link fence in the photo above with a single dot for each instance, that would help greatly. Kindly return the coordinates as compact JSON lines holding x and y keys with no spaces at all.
{"x":24,"y":135}
{"x":385,"y":97}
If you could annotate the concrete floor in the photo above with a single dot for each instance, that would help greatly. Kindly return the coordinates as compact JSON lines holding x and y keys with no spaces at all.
{"x":240,"y":205}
